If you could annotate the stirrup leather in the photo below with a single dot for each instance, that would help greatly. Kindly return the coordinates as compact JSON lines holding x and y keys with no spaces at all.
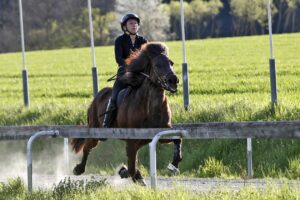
{"x":109,"y":114}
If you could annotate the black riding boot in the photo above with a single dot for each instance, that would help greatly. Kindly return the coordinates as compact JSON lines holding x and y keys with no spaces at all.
{"x":111,"y":109}
{"x":110,"y":113}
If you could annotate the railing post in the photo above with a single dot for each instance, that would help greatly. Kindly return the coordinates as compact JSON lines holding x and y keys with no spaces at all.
{"x":66,"y":155}
{"x":249,"y":156}
{"x":152,"y":147}
{"x":29,"y":153}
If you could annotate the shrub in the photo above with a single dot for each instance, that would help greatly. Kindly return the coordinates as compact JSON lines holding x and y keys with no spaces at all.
{"x":71,"y":188}
{"x":213,"y":168}
{"x":294,"y":168}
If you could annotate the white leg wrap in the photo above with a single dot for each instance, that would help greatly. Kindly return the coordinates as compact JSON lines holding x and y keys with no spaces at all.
{"x":173,"y":169}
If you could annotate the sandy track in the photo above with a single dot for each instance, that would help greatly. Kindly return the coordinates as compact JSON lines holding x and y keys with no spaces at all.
{"x":196,"y":184}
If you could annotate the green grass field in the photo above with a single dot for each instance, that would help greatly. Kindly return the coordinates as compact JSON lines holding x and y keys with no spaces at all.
{"x":229,"y":81}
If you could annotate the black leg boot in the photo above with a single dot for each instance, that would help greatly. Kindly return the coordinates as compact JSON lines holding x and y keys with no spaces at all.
{"x":111,"y":109}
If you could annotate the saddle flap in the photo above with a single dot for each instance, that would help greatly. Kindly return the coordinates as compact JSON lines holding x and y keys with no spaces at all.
{"x":122,"y":94}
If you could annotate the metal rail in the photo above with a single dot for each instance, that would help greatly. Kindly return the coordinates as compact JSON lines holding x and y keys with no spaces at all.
{"x":231,"y":130}
{"x":29,"y":153}
{"x":152,"y":147}
{"x":220,"y":130}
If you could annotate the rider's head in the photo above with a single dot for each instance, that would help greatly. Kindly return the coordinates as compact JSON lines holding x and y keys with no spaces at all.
{"x":130,"y":23}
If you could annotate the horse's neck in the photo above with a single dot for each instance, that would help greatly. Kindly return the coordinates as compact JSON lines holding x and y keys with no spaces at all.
{"x":156,"y":106}
{"x":152,"y":94}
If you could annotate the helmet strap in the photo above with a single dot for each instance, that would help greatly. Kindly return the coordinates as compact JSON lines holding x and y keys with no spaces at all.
{"x":128,"y":32}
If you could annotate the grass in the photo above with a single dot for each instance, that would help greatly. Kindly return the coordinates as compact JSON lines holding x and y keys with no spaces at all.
{"x":229,"y":81}
{"x":15,"y":189}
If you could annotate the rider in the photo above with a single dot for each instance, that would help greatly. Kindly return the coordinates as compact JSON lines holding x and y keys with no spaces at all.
{"x":124,"y":44}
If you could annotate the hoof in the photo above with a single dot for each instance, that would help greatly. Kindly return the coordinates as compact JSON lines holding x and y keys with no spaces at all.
{"x":78,"y":170}
{"x":123,"y":172}
{"x":174,"y":170}
{"x":139,"y":179}
{"x":141,"y":182}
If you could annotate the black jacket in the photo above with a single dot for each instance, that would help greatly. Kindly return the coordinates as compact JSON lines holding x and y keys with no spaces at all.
{"x":124,"y":46}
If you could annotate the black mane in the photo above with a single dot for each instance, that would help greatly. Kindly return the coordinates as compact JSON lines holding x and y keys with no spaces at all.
{"x":139,"y":61}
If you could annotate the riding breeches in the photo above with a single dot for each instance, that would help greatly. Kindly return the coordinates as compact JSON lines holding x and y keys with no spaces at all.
{"x":118,"y":85}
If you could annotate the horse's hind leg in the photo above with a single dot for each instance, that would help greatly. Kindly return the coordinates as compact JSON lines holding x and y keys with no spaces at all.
{"x":88,"y":146}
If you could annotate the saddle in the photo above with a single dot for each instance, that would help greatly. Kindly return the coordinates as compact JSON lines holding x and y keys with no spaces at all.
{"x":122,"y":94}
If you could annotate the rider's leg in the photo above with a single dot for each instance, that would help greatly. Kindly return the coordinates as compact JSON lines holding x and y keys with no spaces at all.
{"x":111,"y":108}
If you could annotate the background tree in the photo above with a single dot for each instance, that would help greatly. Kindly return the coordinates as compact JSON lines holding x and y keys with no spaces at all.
{"x":200,"y":18}
{"x":50,"y":24}
{"x":40,"y":18}
{"x":9,"y":27}
{"x":250,"y":17}
{"x":174,"y":12}
{"x":290,"y":15}
{"x":203,"y":14}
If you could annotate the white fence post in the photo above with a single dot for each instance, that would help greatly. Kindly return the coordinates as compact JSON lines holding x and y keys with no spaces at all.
{"x":29,"y":153}
{"x":152,"y":147}
{"x":66,"y":155}
{"x":249,"y":155}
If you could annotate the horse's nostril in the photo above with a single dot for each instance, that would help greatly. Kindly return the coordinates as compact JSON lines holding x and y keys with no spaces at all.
{"x":172,"y":79}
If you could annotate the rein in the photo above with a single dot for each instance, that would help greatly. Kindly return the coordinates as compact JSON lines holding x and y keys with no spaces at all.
{"x":161,"y":80}
{"x":157,"y":84}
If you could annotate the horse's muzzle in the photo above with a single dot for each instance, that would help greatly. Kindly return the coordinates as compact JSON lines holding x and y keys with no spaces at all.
{"x":172,"y":83}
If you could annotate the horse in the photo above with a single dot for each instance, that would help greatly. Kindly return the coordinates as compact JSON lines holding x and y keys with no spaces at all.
{"x":149,"y":73}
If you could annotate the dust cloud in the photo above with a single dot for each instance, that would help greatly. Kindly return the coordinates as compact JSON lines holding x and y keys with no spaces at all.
{"x":49,"y":164}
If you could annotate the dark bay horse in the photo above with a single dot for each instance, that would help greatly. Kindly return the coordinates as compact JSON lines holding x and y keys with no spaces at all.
{"x":149,"y":73}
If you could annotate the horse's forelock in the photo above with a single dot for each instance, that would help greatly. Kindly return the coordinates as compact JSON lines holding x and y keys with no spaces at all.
{"x":155,"y":48}
{"x":139,"y":60}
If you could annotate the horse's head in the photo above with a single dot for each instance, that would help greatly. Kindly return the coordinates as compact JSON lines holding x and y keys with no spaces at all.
{"x":162,"y":72}
{"x":153,"y":62}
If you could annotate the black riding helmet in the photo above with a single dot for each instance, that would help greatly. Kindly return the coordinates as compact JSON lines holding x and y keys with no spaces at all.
{"x":128,"y":16}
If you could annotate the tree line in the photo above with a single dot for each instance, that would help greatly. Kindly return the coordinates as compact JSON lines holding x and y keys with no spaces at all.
{"x":51,"y":24}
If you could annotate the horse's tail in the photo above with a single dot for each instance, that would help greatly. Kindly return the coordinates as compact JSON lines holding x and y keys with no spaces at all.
{"x":92,"y":118}
{"x":77,"y":144}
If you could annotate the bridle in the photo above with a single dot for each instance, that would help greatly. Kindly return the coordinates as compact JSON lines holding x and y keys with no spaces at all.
{"x":161,"y":80}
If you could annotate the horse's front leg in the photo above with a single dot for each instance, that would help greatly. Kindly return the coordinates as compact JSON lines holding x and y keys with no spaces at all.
{"x":132,"y":151}
{"x":88,"y":146}
{"x":177,"y":157}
